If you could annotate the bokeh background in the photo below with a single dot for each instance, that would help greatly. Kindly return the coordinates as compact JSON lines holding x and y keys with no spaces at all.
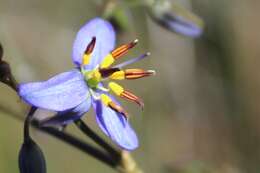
{"x":201,"y":109}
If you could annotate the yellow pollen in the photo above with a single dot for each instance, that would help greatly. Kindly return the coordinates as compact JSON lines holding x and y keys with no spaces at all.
{"x":108,"y":60}
{"x":86,"y":59}
{"x":93,"y":78}
{"x":105,"y":99}
{"x":97,"y":75}
{"x":119,"y":75}
{"x":117,"y":89}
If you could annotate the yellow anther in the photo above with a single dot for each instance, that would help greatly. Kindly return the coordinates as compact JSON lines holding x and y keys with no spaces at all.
{"x":117,"y":89}
{"x":119,"y":75}
{"x":107,"y":61}
{"x":105,"y":99}
{"x":117,"y":53}
{"x":97,"y":75}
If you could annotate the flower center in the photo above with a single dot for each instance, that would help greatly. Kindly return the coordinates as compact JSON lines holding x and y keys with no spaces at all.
{"x":92,"y":77}
{"x":104,"y":71}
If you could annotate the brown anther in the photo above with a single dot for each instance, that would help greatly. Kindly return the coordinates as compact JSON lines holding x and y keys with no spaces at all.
{"x":91,"y":46}
{"x":130,"y":96}
{"x":137,"y":73}
{"x":118,"y":109}
{"x":122,"y":50}
{"x":106,"y":72}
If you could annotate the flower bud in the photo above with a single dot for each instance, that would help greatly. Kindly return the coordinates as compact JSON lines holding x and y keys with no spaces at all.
{"x":175,"y":18}
{"x":31,"y":158}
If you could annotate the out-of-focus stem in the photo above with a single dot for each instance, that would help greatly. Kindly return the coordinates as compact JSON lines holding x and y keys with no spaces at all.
{"x":128,"y":164}
{"x":91,"y":134}
{"x":79,"y":144}
{"x":108,"y":8}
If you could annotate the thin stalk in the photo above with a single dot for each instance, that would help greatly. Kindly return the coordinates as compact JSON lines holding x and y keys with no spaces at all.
{"x":26,"y":130}
{"x":79,"y":144}
{"x":91,"y":134}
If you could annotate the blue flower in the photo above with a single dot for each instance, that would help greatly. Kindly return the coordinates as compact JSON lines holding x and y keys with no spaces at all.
{"x":72,"y":93}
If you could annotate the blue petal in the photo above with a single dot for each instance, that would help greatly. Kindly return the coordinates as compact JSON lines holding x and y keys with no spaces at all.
{"x":105,"y":41}
{"x":180,"y":25}
{"x":62,"y":92}
{"x":115,"y":126}
{"x":69,"y":116}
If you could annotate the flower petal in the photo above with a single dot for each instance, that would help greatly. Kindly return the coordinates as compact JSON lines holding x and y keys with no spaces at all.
{"x":62,"y":92}
{"x":105,"y":41}
{"x":183,"y":26}
{"x":115,"y":126}
{"x":69,"y":116}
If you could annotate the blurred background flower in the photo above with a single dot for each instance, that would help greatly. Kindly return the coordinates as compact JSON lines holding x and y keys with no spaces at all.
{"x":175,"y":18}
{"x":203,"y":115}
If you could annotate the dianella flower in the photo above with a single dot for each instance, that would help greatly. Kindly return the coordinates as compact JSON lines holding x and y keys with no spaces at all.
{"x":91,"y":83}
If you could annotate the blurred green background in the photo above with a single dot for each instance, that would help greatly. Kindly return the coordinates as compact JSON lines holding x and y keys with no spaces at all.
{"x":201,"y":109}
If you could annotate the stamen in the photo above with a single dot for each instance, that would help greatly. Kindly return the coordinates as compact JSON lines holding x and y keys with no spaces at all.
{"x":88,"y":51}
{"x":119,"y":75}
{"x":122,"y":50}
{"x":116,"y":88}
{"x":105,"y":99}
{"x":131,"y":74}
{"x":108,"y":102}
{"x":107,"y":61}
{"x":117,"y":53}
{"x":131,"y":61}
{"x":121,"y":92}
{"x":106,"y":72}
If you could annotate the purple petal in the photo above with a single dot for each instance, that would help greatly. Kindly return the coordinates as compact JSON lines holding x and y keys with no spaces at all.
{"x":183,"y":26}
{"x":105,"y":41}
{"x":62,"y":92}
{"x":115,"y":126}
{"x":66,"y":117}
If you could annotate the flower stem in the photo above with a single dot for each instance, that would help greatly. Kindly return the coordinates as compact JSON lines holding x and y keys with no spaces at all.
{"x":27,"y":122}
{"x":128,"y":164}
{"x":77,"y":143}
{"x":90,"y":133}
